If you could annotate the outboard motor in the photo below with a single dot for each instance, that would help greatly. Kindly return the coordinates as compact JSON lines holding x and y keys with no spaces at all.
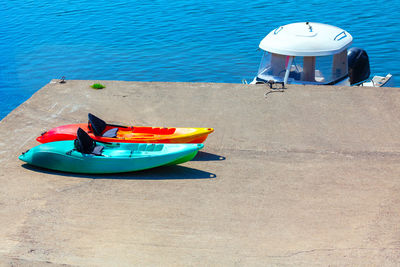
{"x":358,"y":63}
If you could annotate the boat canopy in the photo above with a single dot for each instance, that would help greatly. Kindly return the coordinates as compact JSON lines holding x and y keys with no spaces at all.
{"x":306,"y":39}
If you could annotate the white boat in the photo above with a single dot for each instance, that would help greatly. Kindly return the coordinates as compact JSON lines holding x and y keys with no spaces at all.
{"x":317,"y":54}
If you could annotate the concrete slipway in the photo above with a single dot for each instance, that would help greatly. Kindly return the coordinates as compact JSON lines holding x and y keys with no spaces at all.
{"x":308,"y":176}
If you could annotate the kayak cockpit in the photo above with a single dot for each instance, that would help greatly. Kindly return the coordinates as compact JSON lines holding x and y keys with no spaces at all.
{"x":103,"y":129}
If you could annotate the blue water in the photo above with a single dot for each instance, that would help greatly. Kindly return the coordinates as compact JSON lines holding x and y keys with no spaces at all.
{"x":159,"y":40}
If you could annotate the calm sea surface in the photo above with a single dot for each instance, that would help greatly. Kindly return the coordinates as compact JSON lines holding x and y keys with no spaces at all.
{"x":191,"y":41}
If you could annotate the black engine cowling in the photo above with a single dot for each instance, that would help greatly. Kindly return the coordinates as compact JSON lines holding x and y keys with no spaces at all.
{"x":358,"y":63}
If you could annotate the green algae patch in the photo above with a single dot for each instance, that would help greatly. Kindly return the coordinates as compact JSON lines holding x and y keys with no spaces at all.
{"x":98,"y":86}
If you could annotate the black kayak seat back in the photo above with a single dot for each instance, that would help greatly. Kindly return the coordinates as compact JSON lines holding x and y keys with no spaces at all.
{"x":112,"y":133}
{"x":85,"y":144}
{"x":98,"y":125}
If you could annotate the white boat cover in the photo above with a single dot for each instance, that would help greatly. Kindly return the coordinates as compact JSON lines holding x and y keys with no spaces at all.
{"x":306,"y":39}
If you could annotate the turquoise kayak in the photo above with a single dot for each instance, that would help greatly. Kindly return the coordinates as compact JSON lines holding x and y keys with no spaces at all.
{"x":87,"y":156}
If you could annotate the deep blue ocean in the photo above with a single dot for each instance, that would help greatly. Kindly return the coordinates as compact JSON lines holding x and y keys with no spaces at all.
{"x":159,"y":40}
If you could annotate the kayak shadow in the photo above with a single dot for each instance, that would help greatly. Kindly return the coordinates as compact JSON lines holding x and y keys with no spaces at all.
{"x":205,"y":156}
{"x":175,"y":172}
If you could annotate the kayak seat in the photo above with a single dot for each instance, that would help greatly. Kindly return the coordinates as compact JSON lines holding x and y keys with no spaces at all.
{"x":96,"y":124}
{"x":112,"y":133}
{"x":85,"y":144}
{"x":97,"y":150}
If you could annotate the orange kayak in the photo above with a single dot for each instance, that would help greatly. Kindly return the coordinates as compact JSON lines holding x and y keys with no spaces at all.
{"x":103,"y":132}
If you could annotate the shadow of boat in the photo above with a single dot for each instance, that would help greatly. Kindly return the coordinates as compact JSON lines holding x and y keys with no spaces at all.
{"x":175,"y":172}
{"x":205,"y":156}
